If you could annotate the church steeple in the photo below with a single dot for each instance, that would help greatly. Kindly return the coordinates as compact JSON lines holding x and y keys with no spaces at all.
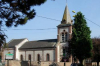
{"x":65,"y":28}
{"x":66,"y":17}
{"x":64,"y":34}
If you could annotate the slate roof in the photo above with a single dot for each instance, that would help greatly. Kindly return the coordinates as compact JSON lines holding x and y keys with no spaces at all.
{"x":39,"y":44}
{"x":14,"y":42}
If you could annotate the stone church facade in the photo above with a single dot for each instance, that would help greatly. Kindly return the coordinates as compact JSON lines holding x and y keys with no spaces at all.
{"x":43,"y":50}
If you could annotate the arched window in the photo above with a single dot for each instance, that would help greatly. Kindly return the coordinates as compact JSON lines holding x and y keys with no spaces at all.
{"x":64,"y":36}
{"x":48,"y":57}
{"x":21,"y":57}
{"x":38,"y":57}
{"x":29,"y":57}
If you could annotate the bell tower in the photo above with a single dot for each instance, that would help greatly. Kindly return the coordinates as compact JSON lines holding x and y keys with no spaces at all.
{"x":64,"y":34}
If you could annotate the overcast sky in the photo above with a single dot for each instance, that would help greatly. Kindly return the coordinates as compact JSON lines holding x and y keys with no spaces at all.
{"x":55,"y":9}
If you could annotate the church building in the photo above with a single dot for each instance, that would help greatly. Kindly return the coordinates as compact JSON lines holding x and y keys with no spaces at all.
{"x":43,"y":50}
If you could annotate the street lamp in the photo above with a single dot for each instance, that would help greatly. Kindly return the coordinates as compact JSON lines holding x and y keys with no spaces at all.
{"x":39,"y":62}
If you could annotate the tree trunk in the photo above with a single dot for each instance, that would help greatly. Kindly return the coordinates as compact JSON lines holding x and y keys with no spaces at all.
{"x":97,"y":63}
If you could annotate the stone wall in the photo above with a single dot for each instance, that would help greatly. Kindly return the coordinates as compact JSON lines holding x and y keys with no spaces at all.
{"x":68,"y":63}
{"x":92,"y":64}
{"x":27,"y":63}
{"x":20,"y":63}
{"x":88,"y":64}
{"x":12,"y":63}
{"x":95,"y":63}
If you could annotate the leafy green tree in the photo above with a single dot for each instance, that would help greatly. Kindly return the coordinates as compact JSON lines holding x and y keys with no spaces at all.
{"x":16,"y":12}
{"x":96,"y":50}
{"x":81,"y":44}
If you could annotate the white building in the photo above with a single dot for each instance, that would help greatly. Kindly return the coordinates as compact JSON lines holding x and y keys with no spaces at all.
{"x":44,"y":50}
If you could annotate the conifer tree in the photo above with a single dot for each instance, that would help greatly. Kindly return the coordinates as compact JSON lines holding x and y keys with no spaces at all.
{"x":81,"y":43}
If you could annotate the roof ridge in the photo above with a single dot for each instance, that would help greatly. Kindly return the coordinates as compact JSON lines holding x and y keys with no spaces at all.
{"x":37,"y":41}
{"x":45,"y":39}
{"x":19,"y":39}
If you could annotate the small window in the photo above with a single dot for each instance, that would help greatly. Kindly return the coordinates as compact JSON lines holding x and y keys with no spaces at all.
{"x":21,"y":57}
{"x":29,"y":57}
{"x":64,"y":36}
{"x":48,"y":57}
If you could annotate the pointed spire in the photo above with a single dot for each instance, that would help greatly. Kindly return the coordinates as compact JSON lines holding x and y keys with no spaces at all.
{"x":66,"y":16}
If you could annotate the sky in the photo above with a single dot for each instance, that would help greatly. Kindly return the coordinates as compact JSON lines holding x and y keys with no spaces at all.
{"x":54,"y":10}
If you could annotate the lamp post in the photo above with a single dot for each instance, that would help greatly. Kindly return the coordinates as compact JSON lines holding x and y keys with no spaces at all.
{"x":39,"y":62}
{"x":30,"y":61}
{"x":64,"y":54}
{"x":64,"y":62}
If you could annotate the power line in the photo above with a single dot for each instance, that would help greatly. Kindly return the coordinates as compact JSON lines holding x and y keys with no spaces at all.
{"x":48,"y":18}
{"x":49,"y":28}
{"x":60,"y":20}
{"x":92,"y":22}
{"x":30,"y":29}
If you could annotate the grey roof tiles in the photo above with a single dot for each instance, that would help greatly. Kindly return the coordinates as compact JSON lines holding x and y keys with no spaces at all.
{"x":37,"y":44}
{"x":49,"y":43}
{"x":14,"y":42}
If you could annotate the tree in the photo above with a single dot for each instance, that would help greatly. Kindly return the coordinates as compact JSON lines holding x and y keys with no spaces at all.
{"x":96,"y":50}
{"x":16,"y":12}
{"x":81,"y":44}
